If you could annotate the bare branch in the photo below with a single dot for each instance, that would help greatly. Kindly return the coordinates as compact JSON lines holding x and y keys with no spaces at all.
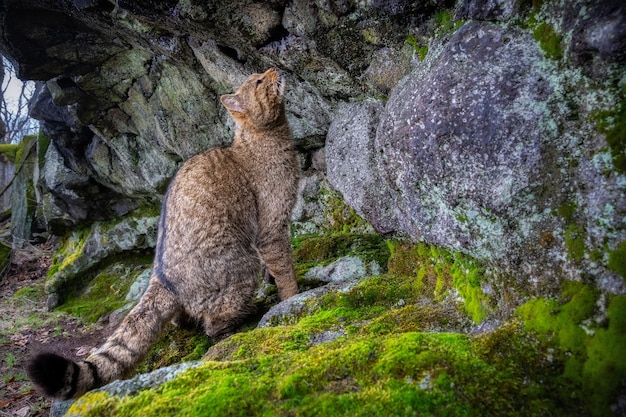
{"x":14,"y":102}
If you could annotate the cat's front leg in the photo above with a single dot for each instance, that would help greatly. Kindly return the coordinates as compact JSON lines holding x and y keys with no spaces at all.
{"x":276,"y":254}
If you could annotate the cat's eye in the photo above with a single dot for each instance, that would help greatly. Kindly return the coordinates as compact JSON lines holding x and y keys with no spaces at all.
{"x":259,"y":82}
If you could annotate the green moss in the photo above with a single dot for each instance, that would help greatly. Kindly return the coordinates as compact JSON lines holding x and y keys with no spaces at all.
{"x":9,"y":150}
{"x":437,"y":271}
{"x":617,"y":259}
{"x":594,"y":364}
{"x":399,"y":374}
{"x":613,"y":124}
{"x":174,"y":346}
{"x":575,"y":242}
{"x":23,"y":149}
{"x":310,"y":250}
{"x":341,"y":218}
{"x":5,"y":256}
{"x":30,"y":293}
{"x":604,"y":372}
{"x":396,"y":352}
{"x":96,"y":404}
{"x":70,"y":248}
{"x":567,"y":210}
{"x":421,"y":50}
{"x":445,"y":22}
{"x":549,"y":40}
{"x":103,"y":294}
{"x":42,"y":147}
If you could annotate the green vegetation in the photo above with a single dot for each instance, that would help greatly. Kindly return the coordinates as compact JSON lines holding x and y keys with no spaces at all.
{"x":103,"y":294}
{"x":613,"y":124}
{"x":594,"y":364}
{"x":421,"y":50}
{"x":70,"y":248}
{"x":396,"y":366}
{"x":42,"y":147}
{"x":567,"y":210}
{"x":9,"y":150}
{"x":340,"y":218}
{"x":312,"y":250}
{"x":175,"y":345}
{"x":5,"y":256}
{"x":395,"y":344}
{"x":445,"y":22}
{"x":575,"y":242}
{"x":617,"y":260}
{"x":28,"y":295}
{"x":438,"y":271}
{"x":549,"y":40}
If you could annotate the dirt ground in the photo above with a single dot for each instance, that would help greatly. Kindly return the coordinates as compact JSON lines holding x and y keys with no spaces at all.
{"x":27,"y":327}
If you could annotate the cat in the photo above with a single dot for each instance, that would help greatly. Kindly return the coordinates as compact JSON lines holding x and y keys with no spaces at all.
{"x":225,"y":215}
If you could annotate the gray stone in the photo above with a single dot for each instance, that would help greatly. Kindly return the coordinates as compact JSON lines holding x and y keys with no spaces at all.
{"x":489,"y":9}
{"x":289,"y":310}
{"x":343,"y":269}
{"x":126,"y":387}
{"x":23,"y":193}
{"x":389,"y":66}
{"x":326,"y":336}
{"x":136,"y":290}
{"x":353,"y":167}
{"x":470,"y":151}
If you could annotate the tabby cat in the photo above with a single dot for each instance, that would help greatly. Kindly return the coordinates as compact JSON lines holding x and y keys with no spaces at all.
{"x":225,"y":215}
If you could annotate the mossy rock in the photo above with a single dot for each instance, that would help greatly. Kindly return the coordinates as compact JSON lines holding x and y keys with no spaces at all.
{"x":106,"y":292}
{"x":402,"y":370}
{"x":83,"y":251}
{"x":323,"y":249}
{"x":5,"y":257}
{"x":594,"y":364}
{"x":9,"y":150}
{"x":396,"y":345}
{"x":439,"y":274}
{"x":174,"y":346}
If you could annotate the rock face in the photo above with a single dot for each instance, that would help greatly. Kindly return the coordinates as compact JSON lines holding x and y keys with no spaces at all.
{"x":490,"y":148}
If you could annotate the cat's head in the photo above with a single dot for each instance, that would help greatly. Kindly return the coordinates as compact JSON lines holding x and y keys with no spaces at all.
{"x":259,"y":101}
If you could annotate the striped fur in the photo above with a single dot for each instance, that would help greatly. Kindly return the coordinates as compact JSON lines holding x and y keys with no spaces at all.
{"x":226,"y":214}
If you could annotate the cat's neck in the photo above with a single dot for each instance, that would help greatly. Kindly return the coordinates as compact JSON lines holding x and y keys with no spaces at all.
{"x":277,"y":136}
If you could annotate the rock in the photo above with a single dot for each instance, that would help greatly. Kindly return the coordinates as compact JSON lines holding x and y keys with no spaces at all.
{"x":5,"y":257}
{"x":126,"y":387}
{"x":389,"y":66}
{"x":289,"y":310}
{"x":343,"y":269}
{"x":352,"y":165}
{"x":23,"y":190}
{"x":489,"y":9}
{"x":326,"y":336}
{"x":444,"y":178}
{"x":308,"y":214}
{"x":467,"y":156}
{"x":598,"y":36}
{"x":84,"y":249}
{"x":136,"y":290}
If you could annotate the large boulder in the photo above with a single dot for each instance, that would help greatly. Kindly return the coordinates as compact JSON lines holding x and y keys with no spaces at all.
{"x":485,"y":149}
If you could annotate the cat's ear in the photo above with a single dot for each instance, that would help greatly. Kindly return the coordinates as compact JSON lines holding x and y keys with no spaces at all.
{"x":232,"y":102}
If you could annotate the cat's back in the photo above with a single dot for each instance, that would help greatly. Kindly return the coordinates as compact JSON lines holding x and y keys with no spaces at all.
{"x":212,"y":194}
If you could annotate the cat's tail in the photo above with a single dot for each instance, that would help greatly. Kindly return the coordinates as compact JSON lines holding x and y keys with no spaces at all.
{"x":62,"y":378}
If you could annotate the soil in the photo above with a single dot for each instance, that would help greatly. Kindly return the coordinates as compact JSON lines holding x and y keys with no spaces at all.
{"x":26,"y":327}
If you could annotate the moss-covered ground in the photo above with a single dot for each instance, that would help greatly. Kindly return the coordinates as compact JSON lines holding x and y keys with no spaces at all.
{"x":403,"y":344}
{"x":104,"y":293}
